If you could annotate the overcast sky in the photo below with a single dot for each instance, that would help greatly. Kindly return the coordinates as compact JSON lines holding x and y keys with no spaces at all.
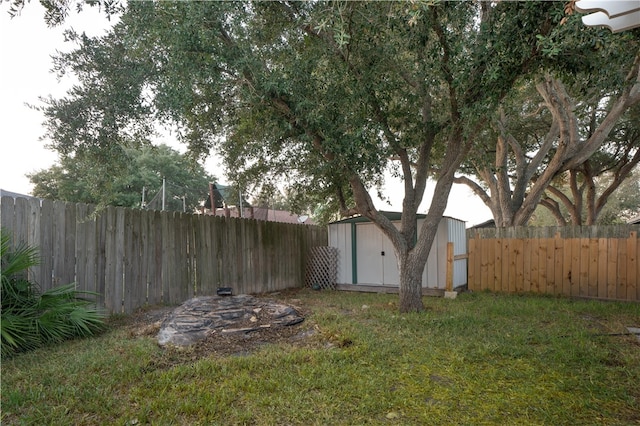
{"x":25,"y":60}
{"x":26,"y":46}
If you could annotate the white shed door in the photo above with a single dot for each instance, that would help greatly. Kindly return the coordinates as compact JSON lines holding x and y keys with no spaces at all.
{"x":376,"y":259}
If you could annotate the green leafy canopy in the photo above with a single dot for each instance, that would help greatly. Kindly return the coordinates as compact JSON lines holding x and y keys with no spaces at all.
{"x":324,"y":96}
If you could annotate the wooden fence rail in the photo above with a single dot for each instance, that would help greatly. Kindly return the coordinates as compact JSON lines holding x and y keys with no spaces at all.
{"x":603,"y":263}
{"x":137,"y":257}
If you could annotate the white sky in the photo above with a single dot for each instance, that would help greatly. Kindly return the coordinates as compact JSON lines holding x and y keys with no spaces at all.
{"x":26,"y":46}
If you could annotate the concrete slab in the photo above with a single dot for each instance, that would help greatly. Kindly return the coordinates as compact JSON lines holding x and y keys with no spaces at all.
{"x":634,"y":330}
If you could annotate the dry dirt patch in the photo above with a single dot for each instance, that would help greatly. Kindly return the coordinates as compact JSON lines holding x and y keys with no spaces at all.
{"x":223,"y":326}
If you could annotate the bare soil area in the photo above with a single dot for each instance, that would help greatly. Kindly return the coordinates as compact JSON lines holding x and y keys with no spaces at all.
{"x":231,"y":341}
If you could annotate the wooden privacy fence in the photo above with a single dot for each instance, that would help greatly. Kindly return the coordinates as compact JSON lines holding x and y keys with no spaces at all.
{"x":137,"y":257}
{"x":595,"y":262}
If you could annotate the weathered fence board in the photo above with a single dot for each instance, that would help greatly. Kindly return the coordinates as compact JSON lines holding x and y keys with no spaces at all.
{"x":154,"y":287}
{"x":632,"y":270}
{"x":594,"y":262}
{"x":134,"y":257}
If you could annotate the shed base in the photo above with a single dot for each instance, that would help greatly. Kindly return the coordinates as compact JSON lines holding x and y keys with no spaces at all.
{"x":436,"y":292}
{"x":450,"y":294}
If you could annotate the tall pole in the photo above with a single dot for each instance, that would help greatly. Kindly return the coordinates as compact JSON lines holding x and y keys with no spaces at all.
{"x":163,"y":192}
{"x":142,"y":203}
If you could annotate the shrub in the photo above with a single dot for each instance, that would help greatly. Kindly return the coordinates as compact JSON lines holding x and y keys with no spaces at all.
{"x":31,"y":318}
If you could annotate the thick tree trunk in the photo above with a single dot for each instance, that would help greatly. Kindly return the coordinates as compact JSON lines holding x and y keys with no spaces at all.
{"x":411,"y":269}
{"x":411,"y":265}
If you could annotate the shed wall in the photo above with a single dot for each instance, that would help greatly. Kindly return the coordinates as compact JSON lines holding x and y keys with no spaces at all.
{"x":430,"y":276}
{"x":458,"y":236}
{"x":376,"y":259}
{"x":374,"y":269}
{"x":340,"y":237}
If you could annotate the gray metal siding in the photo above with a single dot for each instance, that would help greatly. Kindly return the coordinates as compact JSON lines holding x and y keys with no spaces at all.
{"x":369,"y":258}
{"x":458,"y":236}
{"x":340,"y":237}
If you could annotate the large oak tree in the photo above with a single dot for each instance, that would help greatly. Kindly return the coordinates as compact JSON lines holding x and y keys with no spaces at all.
{"x":327,"y":95}
{"x":575,"y":117}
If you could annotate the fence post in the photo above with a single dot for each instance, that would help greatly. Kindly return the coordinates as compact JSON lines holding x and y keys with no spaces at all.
{"x":449,"y":279}
{"x":449,"y":293}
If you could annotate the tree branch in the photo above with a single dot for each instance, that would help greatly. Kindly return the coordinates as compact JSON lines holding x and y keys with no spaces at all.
{"x":554,"y":208}
{"x":446,"y":57}
{"x":477,"y":189}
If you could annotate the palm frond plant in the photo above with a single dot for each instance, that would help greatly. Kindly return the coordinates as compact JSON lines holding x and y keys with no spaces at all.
{"x":30,"y":318}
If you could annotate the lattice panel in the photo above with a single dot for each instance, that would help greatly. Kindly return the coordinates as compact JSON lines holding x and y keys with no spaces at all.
{"x":322,"y":268}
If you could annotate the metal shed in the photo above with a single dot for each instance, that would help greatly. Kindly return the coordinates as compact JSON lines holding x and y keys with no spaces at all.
{"x":366,"y":256}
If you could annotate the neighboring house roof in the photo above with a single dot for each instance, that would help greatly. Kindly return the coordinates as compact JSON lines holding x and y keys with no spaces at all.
{"x":635,"y":220}
{"x":5,"y":193}
{"x":225,"y":196}
{"x":263,"y":213}
{"x":486,"y":224}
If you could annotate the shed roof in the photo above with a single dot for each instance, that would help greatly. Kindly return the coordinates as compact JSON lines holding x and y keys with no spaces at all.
{"x":392,"y":216}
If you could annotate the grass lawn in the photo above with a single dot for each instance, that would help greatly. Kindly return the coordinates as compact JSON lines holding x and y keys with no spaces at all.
{"x":481,"y":359}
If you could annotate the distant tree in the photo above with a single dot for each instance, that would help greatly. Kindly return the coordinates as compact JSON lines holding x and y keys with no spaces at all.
{"x":142,"y":168}
{"x":289,"y":199}
{"x":272,"y":198}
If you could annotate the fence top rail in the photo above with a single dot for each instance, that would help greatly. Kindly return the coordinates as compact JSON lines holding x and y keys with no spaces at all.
{"x":515,"y":232}
{"x":96,"y":211}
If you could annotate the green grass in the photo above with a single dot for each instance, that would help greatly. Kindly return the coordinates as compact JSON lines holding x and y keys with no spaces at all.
{"x":481,"y":359}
